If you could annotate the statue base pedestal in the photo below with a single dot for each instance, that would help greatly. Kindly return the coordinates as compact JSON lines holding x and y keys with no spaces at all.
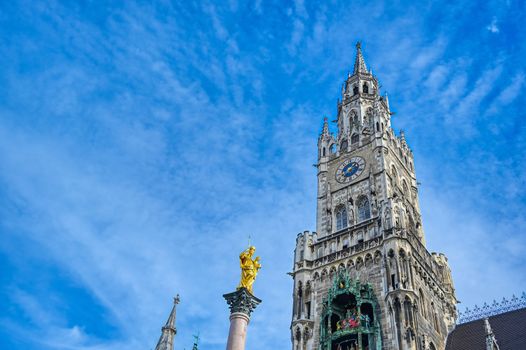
{"x":241,"y":304}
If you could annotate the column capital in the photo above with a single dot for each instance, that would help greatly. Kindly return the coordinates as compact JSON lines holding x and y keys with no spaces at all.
{"x":241,"y":301}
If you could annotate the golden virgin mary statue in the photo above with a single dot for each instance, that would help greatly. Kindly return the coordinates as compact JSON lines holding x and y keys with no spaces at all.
{"x":249,"y":268}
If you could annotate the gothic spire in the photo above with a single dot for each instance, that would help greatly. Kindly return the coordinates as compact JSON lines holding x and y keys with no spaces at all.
{"x":166,"y":341}
{"x":359,"y":63}
{"x":491,"y":342}
{"x":196,"y":342}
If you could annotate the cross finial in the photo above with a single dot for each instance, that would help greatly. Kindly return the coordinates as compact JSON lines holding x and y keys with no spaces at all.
{"x":358,"y":45}
{"x":177,"y":299}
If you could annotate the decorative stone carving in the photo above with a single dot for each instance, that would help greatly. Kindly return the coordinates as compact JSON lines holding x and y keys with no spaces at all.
{"x":241,"y":301}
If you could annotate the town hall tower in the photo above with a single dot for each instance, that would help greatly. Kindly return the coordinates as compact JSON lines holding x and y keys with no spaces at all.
{"x":365,"y":279}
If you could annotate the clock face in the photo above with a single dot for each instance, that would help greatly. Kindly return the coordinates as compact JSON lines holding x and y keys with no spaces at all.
{"x":350,"y":169}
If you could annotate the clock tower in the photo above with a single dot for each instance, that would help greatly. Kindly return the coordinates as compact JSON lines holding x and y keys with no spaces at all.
{"x":365,"y":279}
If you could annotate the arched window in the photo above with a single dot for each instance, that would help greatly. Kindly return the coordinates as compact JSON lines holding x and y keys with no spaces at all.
{"x":422,"y":303}
{"x":398,"y":321}
{"x":365,"y":88}
{"x":354,"y":117}
{"x":355,"y":90}
{"x":406,"y":190}
{"x":344,"y":145}
{"x":308,"y":290}
{"x":364,"y":210}
{"x":366,"y":119}
{"x":341,"y":218}
{"x":377,"y":126}
{"x":355,"y":138}
{"x":435,"y":318}
{"x":394,"y":176}
{"x":323,"y":152}
{"x":332,"y":149}
{"x":300,"y":299}
{"x":298,"y":338}
{"x":408,"y":311}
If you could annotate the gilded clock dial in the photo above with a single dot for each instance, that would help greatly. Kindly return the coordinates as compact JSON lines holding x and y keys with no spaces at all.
{"x":350,"y":169}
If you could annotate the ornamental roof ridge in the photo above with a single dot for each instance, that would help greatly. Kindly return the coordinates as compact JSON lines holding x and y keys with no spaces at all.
{"x":493,"y":309}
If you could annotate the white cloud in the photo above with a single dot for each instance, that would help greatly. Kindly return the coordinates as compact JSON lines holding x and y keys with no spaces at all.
{"x":492,"y":27}
{"x":143,"y":164}
{"x":508,"y":94}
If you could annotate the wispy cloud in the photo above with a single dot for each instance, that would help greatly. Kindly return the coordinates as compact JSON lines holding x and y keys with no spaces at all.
{"x":141,"y":145}
{"x":493,"y":27}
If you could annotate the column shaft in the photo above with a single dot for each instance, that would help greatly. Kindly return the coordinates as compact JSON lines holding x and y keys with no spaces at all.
{"x":238,"y":331}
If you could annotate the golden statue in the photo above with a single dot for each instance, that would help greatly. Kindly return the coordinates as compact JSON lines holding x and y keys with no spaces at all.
{"x":249,"y":268}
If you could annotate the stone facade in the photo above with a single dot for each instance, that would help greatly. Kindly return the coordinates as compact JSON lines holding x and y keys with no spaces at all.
{"x":369,"y":233}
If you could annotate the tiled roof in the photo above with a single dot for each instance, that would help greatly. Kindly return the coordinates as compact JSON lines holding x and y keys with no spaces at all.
{"x":509,"y":329}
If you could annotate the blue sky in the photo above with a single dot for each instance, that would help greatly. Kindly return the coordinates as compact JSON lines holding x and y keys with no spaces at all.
{"x":141,"y":144}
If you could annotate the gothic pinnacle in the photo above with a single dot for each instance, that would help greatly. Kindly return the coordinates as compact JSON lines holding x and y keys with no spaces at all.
{"x":325,"y":132}
{"x":169,"y":331}
{"x":359,"y":63}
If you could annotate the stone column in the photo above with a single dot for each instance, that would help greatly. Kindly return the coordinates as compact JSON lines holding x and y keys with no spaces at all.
{"x":241,"y":304}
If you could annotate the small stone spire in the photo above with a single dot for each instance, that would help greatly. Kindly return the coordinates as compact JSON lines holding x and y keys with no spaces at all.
{"x":325,"y":131}
{"x":359,"y":63}
{"x":196,"y":342}
{"x":166,"y":341}
{"x":491,"y":342}
{"x":402,"y":138}
{"x":386,"y":98}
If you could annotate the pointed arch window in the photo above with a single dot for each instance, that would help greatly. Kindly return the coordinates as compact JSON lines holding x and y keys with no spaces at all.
{"x":344,"y":145}
{"x":365,"y":88}
{"x":364,"y":210}
{"x":408,"y":311}
{"x":355,"y":138}
{"x":394,"y":176}
{"x":422,"y":303}
{"x":353,"y":117}
{"x":341,"y":218}
{"x":355,"y":90}
{"x":406,"y":189}
{"x":300,"y":300}
{"x":435,"y":318}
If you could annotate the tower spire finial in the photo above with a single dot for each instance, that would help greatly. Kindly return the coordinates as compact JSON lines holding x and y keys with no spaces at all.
{"x":196,"y":342}
{"x":359,"y":63}
{"x":169,"y":331}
